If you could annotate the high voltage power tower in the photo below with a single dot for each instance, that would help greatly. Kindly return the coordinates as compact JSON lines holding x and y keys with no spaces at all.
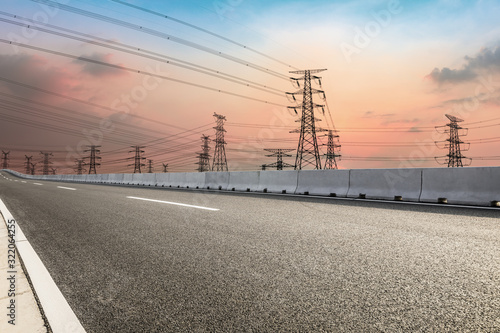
{"x":28,"y":164}
{"x":79,"y":166}
{"x":307,"y":150}
{"x":220,"y":162}
{"x":453,"y":143}
{"x":5,"y":159}
{"x":137,"y":158}
{"x":279,"y":154}
{"x":165,"y":166}
{"x":150,"y":166}
{"x":331,"y":148}
{"x":33,"y":165}
{"x":92,"y":158}
{"x":46,"y":162}
{"x":204,"y":156}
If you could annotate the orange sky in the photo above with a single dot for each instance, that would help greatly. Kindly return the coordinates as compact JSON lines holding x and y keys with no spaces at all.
{"x":394,"y":70}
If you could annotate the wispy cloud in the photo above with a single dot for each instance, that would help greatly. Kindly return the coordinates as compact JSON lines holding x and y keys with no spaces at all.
{"x":486,"y":59}
{"x":96,"y":69}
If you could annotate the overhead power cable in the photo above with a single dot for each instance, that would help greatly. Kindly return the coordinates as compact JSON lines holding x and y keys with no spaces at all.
{"x":133,"y":70}
{"x":24,"y":85}
{"x":142,"y":53}
{"x":203,"y":30}
{"x":160,"y":35}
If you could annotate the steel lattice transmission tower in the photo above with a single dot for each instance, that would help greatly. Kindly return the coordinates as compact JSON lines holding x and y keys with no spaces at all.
{"x":137,"y":158}
{"x":204,"y":156}
{"x":454,"y":143}
{"x":307,"y":150}
{"x":46,"y":162}
{"x":53,"y":170}
{"x":5,"y":159}
{"x":165,"y":166}
{"x":92,"y":158}
{"x":33,"y":165}
{"x":220,"y":162}
{"x":279,"y":154}
{"x":28,"y":164}
{"x":150,"y":166}
{"x":331,"y":151}
{"x":79,"y":166}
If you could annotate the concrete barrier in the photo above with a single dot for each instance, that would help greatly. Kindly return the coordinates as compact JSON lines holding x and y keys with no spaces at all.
{"x":471,"y":186}
{"x":115,"y":178}
{"x":323,"y":182}
{"x":278,"y":181}
{"x":103,"y":178}
{"x":387,"y":184}
{"x":93,"y":178}
{"x":177,"y":179}
{"x":216,"y":180}
{"x":163,"y":179}
{"x":243,"y":181}
{"x":148,"y":179}
{"x":195,"y":180}
{"x":128,"y":178}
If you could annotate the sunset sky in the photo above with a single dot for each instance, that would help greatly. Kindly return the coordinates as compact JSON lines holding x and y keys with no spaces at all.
{"x":394,"y":69}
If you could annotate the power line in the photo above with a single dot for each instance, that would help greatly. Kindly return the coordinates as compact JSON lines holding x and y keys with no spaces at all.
{"x":133,"y":70}
{"x":246,"y":47}
{"x":144,"y":54}
{"x":160,"y":35}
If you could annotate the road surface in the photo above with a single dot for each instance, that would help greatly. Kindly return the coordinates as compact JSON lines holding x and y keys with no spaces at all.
{"x":226,"y":262}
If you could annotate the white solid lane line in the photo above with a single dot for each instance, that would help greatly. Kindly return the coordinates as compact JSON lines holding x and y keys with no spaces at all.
{"x":67,"y":188}
{"x":59,"y":314}
{"x":174,"y":203}
{"x":37,"y":184}
{"x":23,"y":181}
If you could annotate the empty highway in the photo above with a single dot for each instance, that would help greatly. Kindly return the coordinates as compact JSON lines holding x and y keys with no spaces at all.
{"x":130,"y":259}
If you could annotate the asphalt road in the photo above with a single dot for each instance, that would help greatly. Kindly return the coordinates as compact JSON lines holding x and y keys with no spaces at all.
{"x":260,"y":263}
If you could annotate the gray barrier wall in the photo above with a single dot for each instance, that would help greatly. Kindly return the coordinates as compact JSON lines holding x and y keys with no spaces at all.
{"x":387,"y":184}
{"x":323,"y":182}
{"x":474,"y":186}
{"x":217,"y":180}
{"x":278,"y":181}
{"x":243,"y":181}
{"x":477,"y":186}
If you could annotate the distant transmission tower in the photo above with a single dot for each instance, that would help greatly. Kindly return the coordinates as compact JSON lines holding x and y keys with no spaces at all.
{"x":33,"y":165}
{"x":331,"y":151}
{"x":165,"y":166}
{"x":138,"y":158}
{"x":53,"y":170}
{"x":453,"y":143}
{"x":150,"y":166}
{"x":279,"y":154}
{"x":307,"y":150}
{"x":79,"y":166}
{"x":204,"y":156}
{"x":28,"y":164}
{"x":220,"y":162}
{"x":92,"y":158}
{"x":46,"y":162}
{"x":5,"y":159}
